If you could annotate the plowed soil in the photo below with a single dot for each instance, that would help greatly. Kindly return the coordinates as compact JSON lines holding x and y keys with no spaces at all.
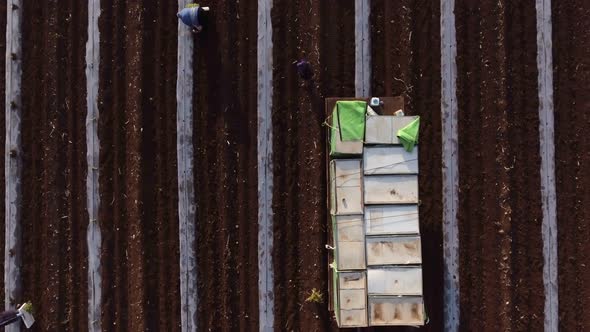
{"x":571,"y":40}
{"x":500,"y":202}
{"x":322,"y":32}
{"x":501,"y":257}
{"x":54,"y":214}
{"x":225,"y":129}
{"x":138,"y":185}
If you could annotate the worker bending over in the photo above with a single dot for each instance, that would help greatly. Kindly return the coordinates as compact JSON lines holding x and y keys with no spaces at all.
{"x":11,"y":316}
{"x":192,"y":16}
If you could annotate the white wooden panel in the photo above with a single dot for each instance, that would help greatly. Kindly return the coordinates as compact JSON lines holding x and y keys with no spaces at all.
{"x":349,"y":200}
{"x":352,"y":280}
{"x":394,"y":250}
{"x":189,"y":299}
{"x":347,"y":173}
{"x":93,"y":233}
{"x":351,"y":255}
{"x":382,"y":129}
{"x":362,"y":46}
{"x":391,"y":189}
{"x":395,"y":281}
{"x":405,"y":310}
{"x":346,"y":147}
{"x":353,"y":299}
{"x":547,"y":167}
{"x":353,"y":318}
{"x":13,"y":159}
{"x":379,"y":130}
{"x":391,"y":219}
{"x":265,"y":166}
{"x":450,"y":169}
{"x":350,"y":228}
{"x":390,"y":160}
{"x":346,"y":194}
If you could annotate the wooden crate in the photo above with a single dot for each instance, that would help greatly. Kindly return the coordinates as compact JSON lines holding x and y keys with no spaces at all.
{"x":393,"y":250}
{"x":395,"y":281}
{"x":391,"y":219}
{"x":346,"y":194}
{"x":398,"y":310}
{"x":391,"y":189}
{"x":379,"y":160}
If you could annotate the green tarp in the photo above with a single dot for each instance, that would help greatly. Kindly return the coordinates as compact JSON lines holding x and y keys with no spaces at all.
{"x":334,"y":134}
{"x":408,"y":135}
{"x":351,"y":119}
{"x":336,"y":303}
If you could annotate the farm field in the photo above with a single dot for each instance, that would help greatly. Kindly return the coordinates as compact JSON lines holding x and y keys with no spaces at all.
{"x":500,"y":210}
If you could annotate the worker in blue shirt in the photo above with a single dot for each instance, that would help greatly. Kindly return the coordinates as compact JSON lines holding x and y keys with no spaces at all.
{"x":192,"y":16}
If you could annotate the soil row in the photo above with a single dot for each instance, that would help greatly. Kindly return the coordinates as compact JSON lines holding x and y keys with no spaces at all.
{"x":54,"y":217}
{"x":571,"y":64}
{"x":500,"y":216}
{"x":138,"y":174}
{"x":225,"y":129}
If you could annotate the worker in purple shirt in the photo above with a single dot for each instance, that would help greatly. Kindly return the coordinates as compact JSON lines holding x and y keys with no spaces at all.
{"x":304,"y":69}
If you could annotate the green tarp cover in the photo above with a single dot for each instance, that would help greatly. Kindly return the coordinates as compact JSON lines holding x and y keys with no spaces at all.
{"x":334,"y":135}
{"x":351,"y":119}
{"x":408,"y":135}
{"x":336,"y":304}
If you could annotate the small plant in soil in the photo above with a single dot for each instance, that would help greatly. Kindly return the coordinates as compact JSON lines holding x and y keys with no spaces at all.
{"x":315,"y":297}
{"x":29,"y":307}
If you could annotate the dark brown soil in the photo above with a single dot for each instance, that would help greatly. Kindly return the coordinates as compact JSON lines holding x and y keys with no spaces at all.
{"x":571,"y":38}
{"x":405,"y":37}
{"x":138,"y":186}
{"x":501,"y":257}
{"x":323,"y":33}
{"x":54,"y":214}
{"x":225,"y":129}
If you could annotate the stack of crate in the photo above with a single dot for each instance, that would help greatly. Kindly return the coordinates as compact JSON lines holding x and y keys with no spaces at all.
{"x":377,"y":279}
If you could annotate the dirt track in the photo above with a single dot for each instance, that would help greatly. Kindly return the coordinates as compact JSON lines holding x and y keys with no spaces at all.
{"x":225,"y":167}
{"x":138,"y":187}
{"x":571,"y":38}
{"x":300,"y":259}
{"x":500,"y":216}
{"x":53,"y":142}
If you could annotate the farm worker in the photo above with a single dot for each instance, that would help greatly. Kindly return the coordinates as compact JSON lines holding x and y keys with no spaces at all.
{"x":304,"y":69}
{"x":24,"y":313}
{"x":190,"y":16}
{"x":8,"y":317}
